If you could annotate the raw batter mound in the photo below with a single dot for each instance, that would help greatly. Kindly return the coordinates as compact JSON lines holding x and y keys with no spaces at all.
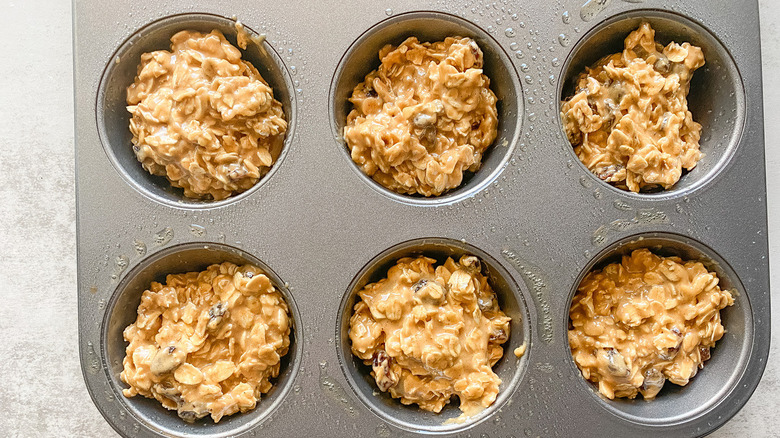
{"x":204,"y":118}
{"x":425,"y":116}
{"x":431,"y":333}
{"x":638,"y":323}
{"x":629,"y":121}
{"x":207,"y":342}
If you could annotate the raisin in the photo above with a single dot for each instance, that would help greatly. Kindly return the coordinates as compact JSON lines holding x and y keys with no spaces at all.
{"x":498,"y":336}
{"x":609,"y":171}
{"x":216,"y":315}
{"x":662,"y":65}
{"x":704,"y":352}
{"x":383,"y":373}
{"x":188,"y":416}
{"x":653,"y":383}
{"x":617,"y":363}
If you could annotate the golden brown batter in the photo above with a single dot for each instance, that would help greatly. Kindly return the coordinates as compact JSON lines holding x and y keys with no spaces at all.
{"x":431,"y":333}
{"x":425,"y":116}
{"x":629,"y":120}
{"x":638,"y":323}
{"x":207,"y":342}
{"x":203,"y":117}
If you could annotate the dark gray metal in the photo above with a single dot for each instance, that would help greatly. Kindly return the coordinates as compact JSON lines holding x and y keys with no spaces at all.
{"x":537,"y":218}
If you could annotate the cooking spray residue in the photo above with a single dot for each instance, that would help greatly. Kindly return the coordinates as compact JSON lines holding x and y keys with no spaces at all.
{"x":140,"y":248}
{"x":643,"y":217}
{"x":534,"y":280}
{"x":333,"y":390}
{"x":120,"y":264}
{"x":591,"y":8}
{"x":197,"y":230}
{"x":163,"y":236}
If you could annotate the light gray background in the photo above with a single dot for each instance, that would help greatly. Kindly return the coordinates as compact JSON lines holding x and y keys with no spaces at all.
{"x":42,"y":391}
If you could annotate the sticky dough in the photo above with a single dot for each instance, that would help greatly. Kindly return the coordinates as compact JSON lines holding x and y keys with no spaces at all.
{"x":646,"y":320}
{"x":424,"y":117}
{"x":207,"y":343}
{"x":204,"y":118}
{"x":629,"y":121}
{"x":431,"y":332}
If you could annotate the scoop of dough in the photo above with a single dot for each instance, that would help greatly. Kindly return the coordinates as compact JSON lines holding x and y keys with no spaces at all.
{"x":207,"y":343}
{"x":204,"y":118}
{"x":629,"y":121}
{"x":646,"y":320}
{"x":429,"y":333}
{"x":424,"y":117}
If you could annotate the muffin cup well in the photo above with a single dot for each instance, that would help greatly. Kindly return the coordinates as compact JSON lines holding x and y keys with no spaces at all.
{"x":510,"y":369}
{"x":122,"y":312}
{"x":362,"y":57}
{"x":113,"y":119}
{"x":730,"y":356}
{"x":716,"y":98}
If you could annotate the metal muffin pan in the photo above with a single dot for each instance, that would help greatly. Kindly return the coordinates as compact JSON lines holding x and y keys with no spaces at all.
{"x":534,"y":215}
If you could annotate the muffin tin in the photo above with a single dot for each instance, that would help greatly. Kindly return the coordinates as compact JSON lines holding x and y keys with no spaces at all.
{"x":321,"y":229}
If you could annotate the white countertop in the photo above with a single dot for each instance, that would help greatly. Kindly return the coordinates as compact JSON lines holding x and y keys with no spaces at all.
{"x":43,"y":393}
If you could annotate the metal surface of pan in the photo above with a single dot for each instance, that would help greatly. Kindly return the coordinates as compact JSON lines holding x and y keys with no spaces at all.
{"x":537,"y":218}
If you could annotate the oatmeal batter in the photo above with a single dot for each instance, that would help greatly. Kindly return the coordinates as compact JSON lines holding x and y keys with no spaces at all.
{"x":424,"y":117}
{"x":629,"y":120}
{"x":431,"y":333}
{"x":646,"y":320}
{"x":203,"y":117}
{"x":207,"y":343}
